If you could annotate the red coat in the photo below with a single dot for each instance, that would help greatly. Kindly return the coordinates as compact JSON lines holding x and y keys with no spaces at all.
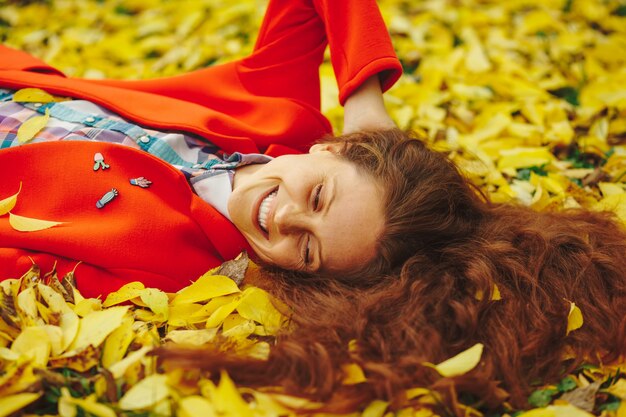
{"x":266,"y":102}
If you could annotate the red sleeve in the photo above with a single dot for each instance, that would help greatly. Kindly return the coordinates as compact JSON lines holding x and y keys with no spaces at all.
{"x":16,"y":60}
{"x":291,"y":42}
{"x":360,"y":45}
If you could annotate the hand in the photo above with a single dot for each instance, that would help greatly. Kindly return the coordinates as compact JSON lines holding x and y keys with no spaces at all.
{"x":365,"y":109}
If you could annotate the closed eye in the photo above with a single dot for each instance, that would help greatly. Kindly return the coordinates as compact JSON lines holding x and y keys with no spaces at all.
{"x":316,"y":196}
{"x":307,"y":251}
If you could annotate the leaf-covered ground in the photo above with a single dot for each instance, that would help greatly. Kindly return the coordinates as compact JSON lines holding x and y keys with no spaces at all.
{"x":527,"y":96}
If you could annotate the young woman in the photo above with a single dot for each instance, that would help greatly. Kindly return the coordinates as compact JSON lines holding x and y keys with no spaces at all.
{"x":311,"y":212}
{"x":375,"y":241}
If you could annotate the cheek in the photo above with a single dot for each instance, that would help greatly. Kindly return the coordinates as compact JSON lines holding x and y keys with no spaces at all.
{"x":283,"y":254}
{"x":237,"y":211}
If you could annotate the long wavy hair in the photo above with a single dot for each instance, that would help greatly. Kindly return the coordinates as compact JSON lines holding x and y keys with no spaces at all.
{"x":430,"y":293}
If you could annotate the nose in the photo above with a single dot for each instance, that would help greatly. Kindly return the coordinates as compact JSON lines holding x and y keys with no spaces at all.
{"x":289,"y":218}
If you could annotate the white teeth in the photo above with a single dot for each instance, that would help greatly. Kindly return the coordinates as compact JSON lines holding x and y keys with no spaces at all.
{"x":264,"y":208}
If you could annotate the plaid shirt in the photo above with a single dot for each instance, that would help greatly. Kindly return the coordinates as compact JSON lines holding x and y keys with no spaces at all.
{"x":84,"y":120}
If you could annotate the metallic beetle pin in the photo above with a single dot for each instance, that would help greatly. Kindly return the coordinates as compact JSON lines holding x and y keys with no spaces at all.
{"x":141,"y":182}
{"x":99,"y":162}
{"x":106,"y":199}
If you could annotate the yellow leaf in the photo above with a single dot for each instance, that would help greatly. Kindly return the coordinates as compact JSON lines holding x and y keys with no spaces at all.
{"x":127,"y":292}
{"x":92,"y":407}
{"x":27,"y":224}
{"x":618,"y":389}
{"x":44,"y":312}
{"x":30,"y":278}
{"x":95,"y":327}
{"x":476,"y":60}
{"x":461,"y":363}
{"x":8,"y":203}
{"x":8,"y":355}
{"x":609,"y":189}
{"x":568,"y":410}
{"x":574,"y":319}
{"x":32,"y":95}
{"x":222,"y":312}
{"x":65,"y":407}
{"x":227,"y":399}
{"x":353,"y":346}
{"x":256,"y":305}
{"x":163,"y":408}
{"x":33,"y":343}
{"x":210,"y":307}
{"x":183,"y":315}
{"x":55,"y":335}
{"x":13,"y":403}
{"x":17,"y":377}
{"x":376,"y":408}
{"x":191,"y":337}
{"x":539,"y":412}
{"x":117,"y":343}
{"x":87,"y":306}
{"x":31,"y":127}
{"x":145,"y":315}
{"x":533,"y":111}
{"x":353,"y":374}
{"x":524,"y":157}
{"x":615,"y":203}
{"x":425,"y":412}
{"x":118,"y":369}
{"x":621,"y":411}
{"x":27,"y":305}
{"x":146,"y":393}
{"x":196,"y":406}
{"x":234,"y":321}
{"x":495,"y":294}
{"x":243,"y":330}
{"x":79,"y":360}
{"x":237,"y":327}
{"x":206,"y":287}
{"x":53,"y":299}
{"x":490,"y":129}
{"x":259,"y":350}
{"x":272,"y":404}
{"x":11,"y":286}
{"x":560,"y":132}
{"x":100,"y":386}
{"x":69,"y":325}
{"x":549,"y":183}
{"x":157,"y":301}
{"x":417,"y":392}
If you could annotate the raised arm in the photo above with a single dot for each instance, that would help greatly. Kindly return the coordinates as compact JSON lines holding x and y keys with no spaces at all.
{"x":360,"y":46}
{"x":365,"y":109}
{"x":290,"y":47}
{"x":363,"y":59}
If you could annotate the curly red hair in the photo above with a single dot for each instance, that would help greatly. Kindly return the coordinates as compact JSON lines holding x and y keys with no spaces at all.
{"x":429,"y":293}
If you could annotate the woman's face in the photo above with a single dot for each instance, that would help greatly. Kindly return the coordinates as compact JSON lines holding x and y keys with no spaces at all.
{"x":310,"y":212}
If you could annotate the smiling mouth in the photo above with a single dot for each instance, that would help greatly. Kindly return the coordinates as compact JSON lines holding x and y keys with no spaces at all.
{"x":264,"y":209}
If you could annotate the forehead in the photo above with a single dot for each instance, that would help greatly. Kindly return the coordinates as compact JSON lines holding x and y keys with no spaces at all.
{"x":355,"y":219}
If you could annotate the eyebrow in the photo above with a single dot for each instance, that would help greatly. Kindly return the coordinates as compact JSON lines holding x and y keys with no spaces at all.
{"x":331,"y":198}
